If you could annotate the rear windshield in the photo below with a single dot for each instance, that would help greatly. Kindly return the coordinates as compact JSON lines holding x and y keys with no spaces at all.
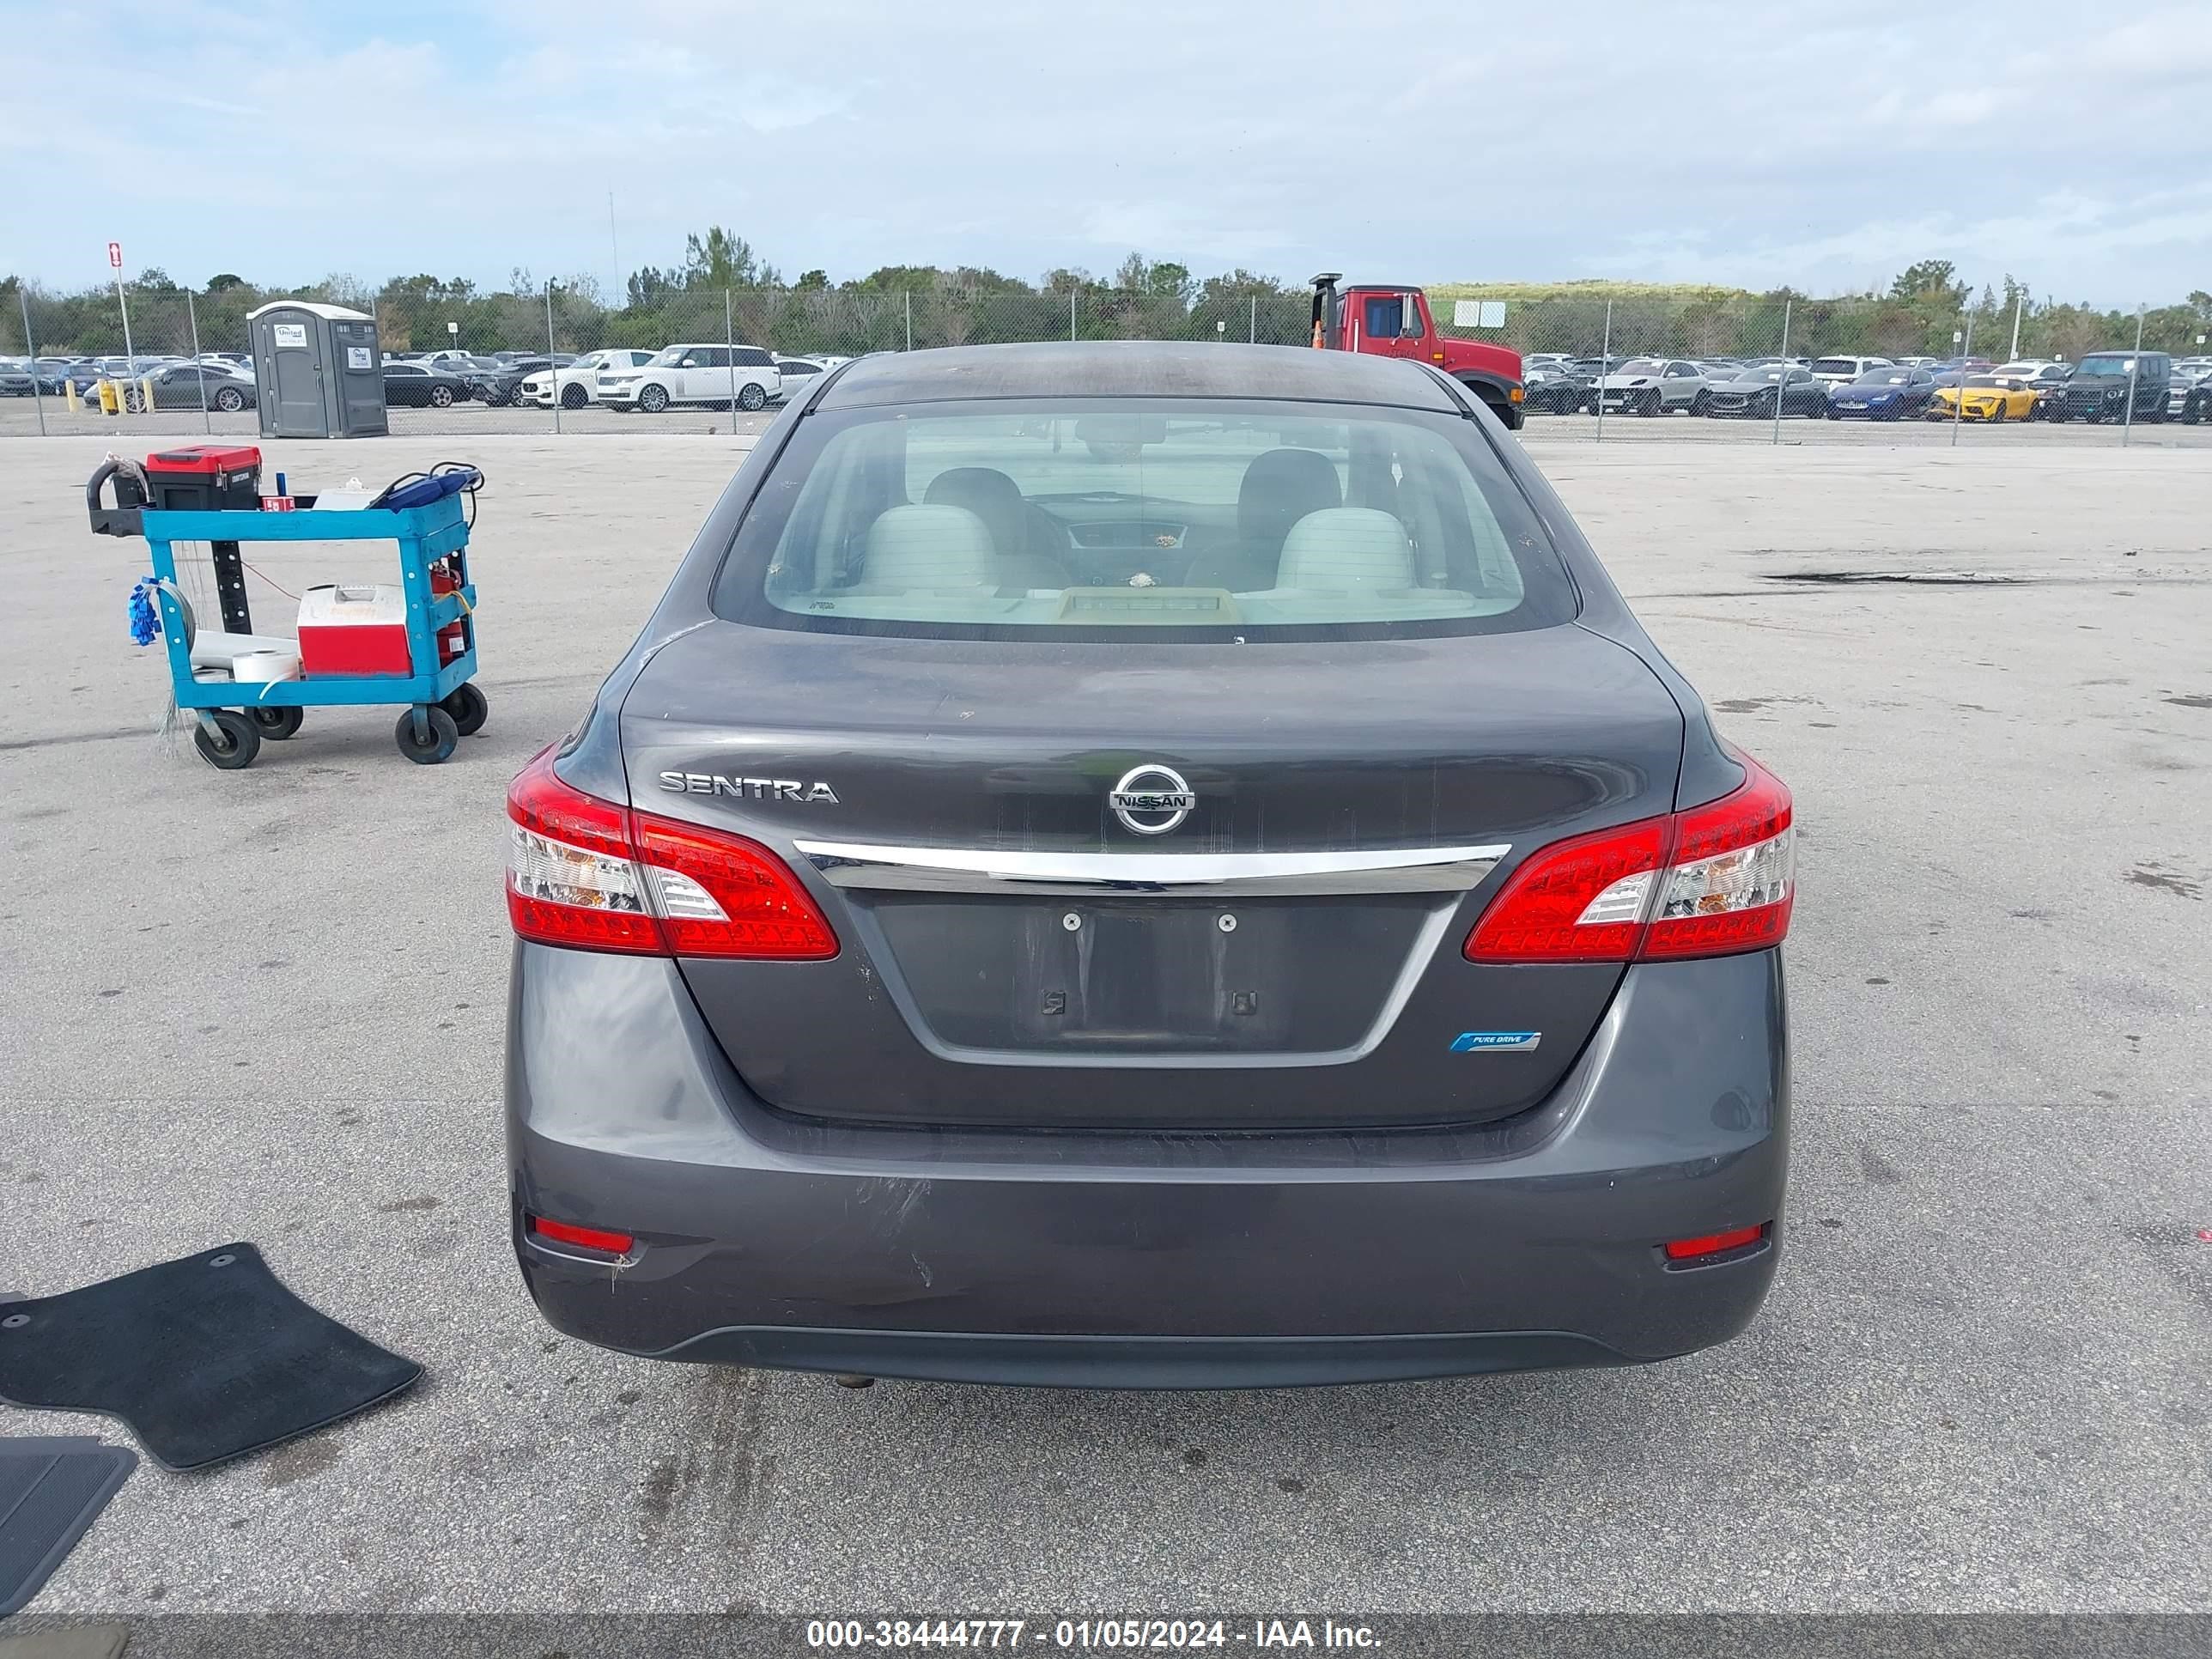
{"x":1170,"y":518}
{"x":1837,"y":365}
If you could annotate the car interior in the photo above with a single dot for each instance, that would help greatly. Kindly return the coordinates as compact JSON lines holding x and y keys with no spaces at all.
{"x":1149,"y":520}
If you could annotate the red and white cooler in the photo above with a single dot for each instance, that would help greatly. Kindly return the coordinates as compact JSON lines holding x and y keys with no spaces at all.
{"x":352,"y":630}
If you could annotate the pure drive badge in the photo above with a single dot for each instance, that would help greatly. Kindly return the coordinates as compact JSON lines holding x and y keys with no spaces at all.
{"x":707,"y":783}
{"x":1496,"y":1043}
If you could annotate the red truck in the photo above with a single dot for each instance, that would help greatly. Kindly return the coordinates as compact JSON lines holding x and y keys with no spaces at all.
{"x":1392,"y":320}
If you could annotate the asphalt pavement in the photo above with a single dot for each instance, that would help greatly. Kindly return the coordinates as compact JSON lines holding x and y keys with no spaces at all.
{"x":269,"y":1005}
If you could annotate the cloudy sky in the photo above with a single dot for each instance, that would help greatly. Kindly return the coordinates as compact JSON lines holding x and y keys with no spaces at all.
{"x":1824,"y":145}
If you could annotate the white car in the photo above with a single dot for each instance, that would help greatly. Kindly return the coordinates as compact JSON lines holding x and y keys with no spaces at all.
{"x":712,"y":375}
{"x":798,"y":374}
{"x":1842,"y":370}
{"x":1653,"y":386}
{"x":578,"y":383}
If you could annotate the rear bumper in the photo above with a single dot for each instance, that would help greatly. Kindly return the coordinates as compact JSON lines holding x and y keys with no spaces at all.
{"x":1141,"y":1259}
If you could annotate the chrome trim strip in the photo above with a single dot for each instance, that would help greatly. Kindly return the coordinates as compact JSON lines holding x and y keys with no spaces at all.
{"x":964,"y":870}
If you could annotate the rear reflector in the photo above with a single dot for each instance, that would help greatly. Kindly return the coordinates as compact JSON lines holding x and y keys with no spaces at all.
{"x":1711,"y":881}
{"x":594,"y":1238}
{"x":1689,"y":1250}
{"x":593,"y":875}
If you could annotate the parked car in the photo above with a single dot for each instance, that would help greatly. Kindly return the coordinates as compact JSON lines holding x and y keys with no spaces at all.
{"x":578,"y":383}
{"x":17,"y":379}
{"x":2037,"y":371}
{"x":1560,"y":388}
{"x":711,"y":375}
{"x":1983,"y":398}
{"x":1046,"y":1051}
{"x":423,"y":386}
{"x":2196,"y":404}
{"x":1882,"y":394}
{"x":1755,"y":390}
{"x":2184,"y":381}
{"x":1653,"y":386}
{"x":56,"y":373}
{"x":497,"y":381}
{"x":2099,"y":388}
{"x":797,"y":374}
{"x":1842,"y":370}
{"x":196,"y":386}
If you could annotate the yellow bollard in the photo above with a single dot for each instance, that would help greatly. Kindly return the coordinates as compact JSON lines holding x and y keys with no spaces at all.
{"x":146,"y":395}
{"x":69,"y":396}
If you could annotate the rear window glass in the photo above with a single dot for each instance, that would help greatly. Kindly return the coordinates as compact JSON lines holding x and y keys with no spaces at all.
{"x":1171,"y":519}
{"x":1837,"y":365}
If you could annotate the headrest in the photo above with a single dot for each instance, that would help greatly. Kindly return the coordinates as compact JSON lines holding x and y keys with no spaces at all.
{"x":1342,"y":547}
{"x":991,"y":495}
{"x":1280,"y":487}
{"x":916,"y":547}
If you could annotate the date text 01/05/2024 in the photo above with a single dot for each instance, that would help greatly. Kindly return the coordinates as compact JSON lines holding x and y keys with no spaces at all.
{"x":1087,"y":1634}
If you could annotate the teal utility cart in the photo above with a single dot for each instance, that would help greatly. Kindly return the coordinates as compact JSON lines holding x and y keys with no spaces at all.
{"x":234,"y":715}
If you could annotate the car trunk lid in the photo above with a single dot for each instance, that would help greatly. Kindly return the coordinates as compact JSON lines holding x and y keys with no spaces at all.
{"x":1267,"y":932}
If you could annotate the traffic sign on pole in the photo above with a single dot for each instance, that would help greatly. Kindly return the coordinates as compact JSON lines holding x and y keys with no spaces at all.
{"x":115,"y":255}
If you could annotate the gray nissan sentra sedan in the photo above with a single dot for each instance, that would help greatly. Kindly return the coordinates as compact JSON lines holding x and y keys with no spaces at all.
{"x":1153,"y":864}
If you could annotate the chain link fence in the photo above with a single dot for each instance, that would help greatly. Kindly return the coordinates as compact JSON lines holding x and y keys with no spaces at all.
{"x":1599,"y":365}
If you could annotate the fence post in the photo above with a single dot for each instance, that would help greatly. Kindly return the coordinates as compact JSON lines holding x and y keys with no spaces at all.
{"x":2017,"y":300}
{"x":906,"y":295}
{"x":1253,"y":337}
{"x":1782,"y":384}
{"x":200,"y":367}
{"x":1071,"y":315}
{"x":552,"y":368}
{"x":1604,"y":366}
{"x":31,"y":349}
{"x":2135,"y":367}
{"x":1958,"y":404}
{"x":730,"y":345}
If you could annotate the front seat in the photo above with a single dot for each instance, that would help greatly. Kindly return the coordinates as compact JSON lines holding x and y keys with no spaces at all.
{"x":1280,"y":487}
{"x":1344,"y":548}
{"x":995,"y":499}
{"x":928,"y":550}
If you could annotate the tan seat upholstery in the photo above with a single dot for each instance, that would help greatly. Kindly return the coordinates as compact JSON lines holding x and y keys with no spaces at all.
{"x":929,"y":547}
{"x":1347,"y":547}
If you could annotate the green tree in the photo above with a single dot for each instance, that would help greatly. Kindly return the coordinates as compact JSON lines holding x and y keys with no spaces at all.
{"x":720,"y":258}
{"x":1931,"y":280}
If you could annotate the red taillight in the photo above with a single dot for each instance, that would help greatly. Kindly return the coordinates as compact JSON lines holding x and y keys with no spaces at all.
{"x":1575,"y":901}
{"x":590,"y":1238}
{"x":722,"y":896}
{"x":1708,"y":882}
{"x":595,"y":876}
{"x":1689,"y":1250}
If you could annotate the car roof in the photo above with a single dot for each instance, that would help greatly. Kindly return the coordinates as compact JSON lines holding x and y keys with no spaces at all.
{"x":1134,"y":368}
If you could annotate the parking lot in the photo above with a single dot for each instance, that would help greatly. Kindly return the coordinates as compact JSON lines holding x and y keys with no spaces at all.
{"x":268,"y":1006}
{"x":18,"y":418}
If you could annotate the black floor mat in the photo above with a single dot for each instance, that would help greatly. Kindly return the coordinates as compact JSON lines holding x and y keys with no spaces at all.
{"x":205,"y":1358}
{"x":51,"y":1490}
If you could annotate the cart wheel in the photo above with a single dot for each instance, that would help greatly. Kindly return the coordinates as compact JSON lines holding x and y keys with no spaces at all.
{"x":278,"y":724}
{"x":234,"y":750}
{"x":468,"y":707}
{"x":444,"y":736}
